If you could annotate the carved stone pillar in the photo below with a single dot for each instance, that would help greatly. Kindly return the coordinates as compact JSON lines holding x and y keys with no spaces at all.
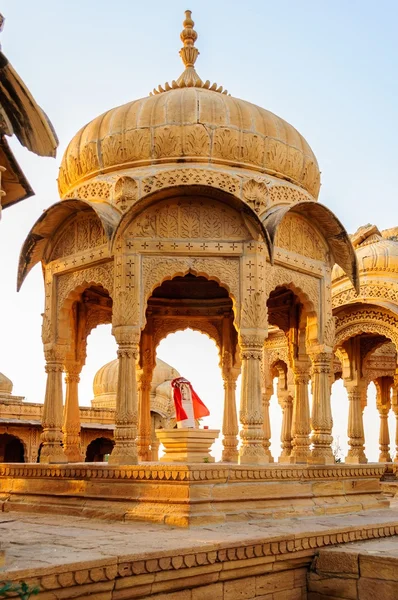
{"x":356,"y":435}
{"x":286,"y":430}
{"x":155,"y":447}
{"x":144,"y":417}
{"x":395,"y":409}
{"x":251,"y":413}
{"x":125,"y":449}
{"x":51,"y":437}
{"x":384,"y":435}
{"x":383,"y":403}
{"x":147,"y":365}
{"x":230,"y":428}
{"x":321,"y":418}
{"x":301,"y":416}
{"x":71,"y":427}
{"x":267,"y":424}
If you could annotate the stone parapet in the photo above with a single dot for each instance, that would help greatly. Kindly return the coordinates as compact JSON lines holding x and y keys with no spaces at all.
{"x":185,"y":495}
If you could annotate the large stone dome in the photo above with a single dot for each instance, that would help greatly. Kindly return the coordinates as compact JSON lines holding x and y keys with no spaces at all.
{"x":189,"y":125}
{"x":193,"y":122}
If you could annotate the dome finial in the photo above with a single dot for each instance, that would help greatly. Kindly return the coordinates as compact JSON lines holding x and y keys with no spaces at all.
{"x":189,"y":54}
{"x":188,"y":36}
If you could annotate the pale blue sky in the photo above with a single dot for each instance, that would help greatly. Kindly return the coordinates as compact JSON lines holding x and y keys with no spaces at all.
{"x":327,"y":67}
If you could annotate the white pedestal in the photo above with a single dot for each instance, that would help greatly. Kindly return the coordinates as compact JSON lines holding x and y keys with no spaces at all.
{"x":187,"y":445}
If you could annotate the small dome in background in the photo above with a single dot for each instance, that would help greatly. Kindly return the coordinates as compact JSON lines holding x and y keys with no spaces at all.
{"x":376,"y":250}
{"x":6,"y":385}
{"x":163,"y":372}
{"x":105,"y":384}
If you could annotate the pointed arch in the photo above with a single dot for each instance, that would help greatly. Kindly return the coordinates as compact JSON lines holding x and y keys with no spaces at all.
{"x":250,"y":217}
{"x":366,"y":320}
{"x":71,"y":286}
{"x":225,"y":271}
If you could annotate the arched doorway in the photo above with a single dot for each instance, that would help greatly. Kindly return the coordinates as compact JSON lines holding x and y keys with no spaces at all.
{"x":197,"y":303}
{"x":197,"y":359}
{"x":84,"y":308}
{"x":99,"y":449}
{"x":290,"y":316}
{"x":11,"y":449}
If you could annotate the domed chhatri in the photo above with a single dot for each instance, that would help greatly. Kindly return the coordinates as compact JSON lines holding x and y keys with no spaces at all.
{"x":189,"y":122}
{"x":188,"y":209}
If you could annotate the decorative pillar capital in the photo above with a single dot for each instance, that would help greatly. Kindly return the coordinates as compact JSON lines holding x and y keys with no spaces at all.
{"x":301,"y":376}
{"x":321,"y":362}
{"x":126,"y":336}
{"x":251,"y":346}
{"x":72,"y":371}
{"x":55,"y":356}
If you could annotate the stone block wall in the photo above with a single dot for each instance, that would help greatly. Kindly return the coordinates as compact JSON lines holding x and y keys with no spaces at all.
{"x":285,"y":585}
{"x":355,"y":574}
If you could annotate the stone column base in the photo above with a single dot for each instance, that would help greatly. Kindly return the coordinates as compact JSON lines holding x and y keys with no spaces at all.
{"x":322,"y":460}
{"x":356,"y":460}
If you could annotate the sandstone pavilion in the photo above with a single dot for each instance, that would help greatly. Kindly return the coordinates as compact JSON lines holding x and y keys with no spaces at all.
{"x":192,"y":208}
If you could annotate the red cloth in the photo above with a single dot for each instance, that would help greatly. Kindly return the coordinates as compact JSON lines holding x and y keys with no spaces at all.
{"x":199,"y":409}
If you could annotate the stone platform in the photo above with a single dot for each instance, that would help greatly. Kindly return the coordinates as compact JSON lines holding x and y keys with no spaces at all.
{"x":73,"y":557}
{"x":187,"y":495}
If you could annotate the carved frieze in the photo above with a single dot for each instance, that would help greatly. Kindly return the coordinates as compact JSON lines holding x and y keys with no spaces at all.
{"x":95,"y":190}
{"x":188,"y":220}
{"x":176,"y":177}
{"x":379,"y":290}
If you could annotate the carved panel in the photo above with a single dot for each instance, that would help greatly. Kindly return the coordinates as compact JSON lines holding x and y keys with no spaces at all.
{"x":125,"y":192}
{"x":298,"y":235}
{"x":80,"y":233}
{"x":187,"y":219}
{"x":99,"y":275}
{"x":255,"y":192}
